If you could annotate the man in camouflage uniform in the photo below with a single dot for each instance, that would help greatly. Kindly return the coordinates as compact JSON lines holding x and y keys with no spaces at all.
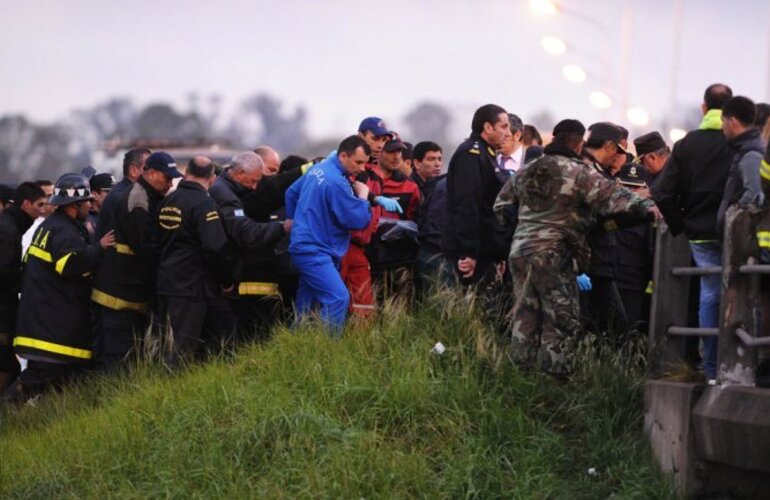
{"x":558,"y":199}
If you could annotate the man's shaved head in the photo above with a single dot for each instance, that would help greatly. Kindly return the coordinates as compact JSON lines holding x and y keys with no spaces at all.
{"x":270,"y":158}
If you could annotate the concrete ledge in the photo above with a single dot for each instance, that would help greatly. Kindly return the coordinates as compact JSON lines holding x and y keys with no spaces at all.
{"x":732,"y":427}
{"x":667,"y":423}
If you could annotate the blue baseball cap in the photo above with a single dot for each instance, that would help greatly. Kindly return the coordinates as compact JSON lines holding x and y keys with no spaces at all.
{"x":163,"y":162}
{"x":375,"y":125}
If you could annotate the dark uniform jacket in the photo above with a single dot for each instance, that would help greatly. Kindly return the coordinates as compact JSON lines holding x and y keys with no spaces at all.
{"x":107,"y":213}
{"x":244,"y":234}
{"x":126,"y":279}
{"x":54,"y":321}
{"x":269,"y":196}
{"x":271,"y":265}
{"x":474,"y":180}
{"x":14,"y":222}
{"x":194,"y":258}
{"x":633,"y":270}
{"x":432,"y":217}
{"x":689,"y":189}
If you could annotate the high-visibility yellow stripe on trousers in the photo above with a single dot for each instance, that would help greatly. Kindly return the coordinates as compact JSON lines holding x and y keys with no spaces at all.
{"x":257,"y":288}
{"x":112,"y":302}
{"x":43,"y":345}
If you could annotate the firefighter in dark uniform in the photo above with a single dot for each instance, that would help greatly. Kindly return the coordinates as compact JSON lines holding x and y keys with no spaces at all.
{"x":101,"y":185}
{"x":53,"y":330}
{"x":28,"y":203}
{"x":473,"y":241}
{"x":246,"y":236}
{"x":270,"y":265}
{"x":195,"y":266}
{"x":124,"y":287}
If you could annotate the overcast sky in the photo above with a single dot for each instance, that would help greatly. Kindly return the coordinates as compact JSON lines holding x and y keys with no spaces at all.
{"x":346,"y":59}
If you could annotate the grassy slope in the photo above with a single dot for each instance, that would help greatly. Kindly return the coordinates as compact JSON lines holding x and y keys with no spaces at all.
{"x":373,"y":415}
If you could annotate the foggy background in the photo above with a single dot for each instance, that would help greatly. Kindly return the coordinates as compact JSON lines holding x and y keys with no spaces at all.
{"x":82,"y":79}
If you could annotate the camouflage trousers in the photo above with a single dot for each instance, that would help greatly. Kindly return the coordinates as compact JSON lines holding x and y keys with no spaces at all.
{"x":545,"y":316}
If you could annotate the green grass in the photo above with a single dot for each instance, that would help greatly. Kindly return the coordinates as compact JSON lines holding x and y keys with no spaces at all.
{"x":374,"y":415}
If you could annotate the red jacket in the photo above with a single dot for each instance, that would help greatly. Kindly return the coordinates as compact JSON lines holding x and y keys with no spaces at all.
{"x":406,"y":192}
{"x":372,"y":177}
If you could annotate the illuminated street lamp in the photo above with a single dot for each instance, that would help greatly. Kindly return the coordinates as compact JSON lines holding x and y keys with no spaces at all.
{"x":638,"y":117}
{"x":600,"y":100}
{"x":676,"y":134}
{"x":574,"y":73}
{"x":553,"y":45}
{"x":544,"y":7}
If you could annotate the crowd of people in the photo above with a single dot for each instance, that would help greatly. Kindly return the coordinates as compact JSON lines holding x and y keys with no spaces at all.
{"x":558,"y":236}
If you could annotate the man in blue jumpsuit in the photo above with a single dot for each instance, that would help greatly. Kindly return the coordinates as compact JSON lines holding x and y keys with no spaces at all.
{"x":325,"y":207}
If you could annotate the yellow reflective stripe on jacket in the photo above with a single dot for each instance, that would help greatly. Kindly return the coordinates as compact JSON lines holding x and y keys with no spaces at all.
{"x":112,"y":302}
{"x":257,"y":288}
{"x":40,"y":254}
{"x":763,"y":238}
{"x":650,"y":288}
{"x":43,"y":345}
{"x":63,"y":262}
{"x":124,"y":249}
{"x":764,"y":170}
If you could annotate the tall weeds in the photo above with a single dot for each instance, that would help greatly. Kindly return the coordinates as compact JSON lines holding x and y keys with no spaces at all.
{"x":374,"y":414}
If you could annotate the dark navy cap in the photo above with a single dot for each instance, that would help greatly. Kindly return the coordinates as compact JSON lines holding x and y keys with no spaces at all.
{"x":163,"y":162}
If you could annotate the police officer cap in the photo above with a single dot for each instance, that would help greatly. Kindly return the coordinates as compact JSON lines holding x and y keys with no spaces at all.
{"x":102,"y":182}
{"x":70,"y":188}
{"x":569,"y":127}
{"x":648,"y":143}
{"x":632,"y":175}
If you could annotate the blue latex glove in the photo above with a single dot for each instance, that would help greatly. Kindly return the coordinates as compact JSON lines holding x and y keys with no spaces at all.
{"x":584,"y":283}
{"x":388,"y":204}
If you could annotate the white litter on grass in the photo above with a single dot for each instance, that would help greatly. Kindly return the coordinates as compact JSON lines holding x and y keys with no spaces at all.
{"x":438,"y":348}
{"x":592,"y":471}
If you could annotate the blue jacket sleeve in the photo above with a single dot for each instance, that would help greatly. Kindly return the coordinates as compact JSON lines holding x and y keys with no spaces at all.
{"x":349,"y":212}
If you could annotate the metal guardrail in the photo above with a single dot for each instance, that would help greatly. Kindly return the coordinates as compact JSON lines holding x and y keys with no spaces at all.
{"x":750,"y":341}
{"x":696,"y":271}
{"x":754,"y":269}
{"x":686,"y":331}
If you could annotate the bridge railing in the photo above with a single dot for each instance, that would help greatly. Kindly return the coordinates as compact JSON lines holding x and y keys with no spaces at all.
{"x":744,"y":325}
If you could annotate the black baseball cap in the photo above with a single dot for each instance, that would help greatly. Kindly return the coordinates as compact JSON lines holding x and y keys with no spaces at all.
{"x":394,"y":145}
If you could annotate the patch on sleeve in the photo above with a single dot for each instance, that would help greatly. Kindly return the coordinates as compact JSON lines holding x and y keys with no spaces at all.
{"x":238,"y":212}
